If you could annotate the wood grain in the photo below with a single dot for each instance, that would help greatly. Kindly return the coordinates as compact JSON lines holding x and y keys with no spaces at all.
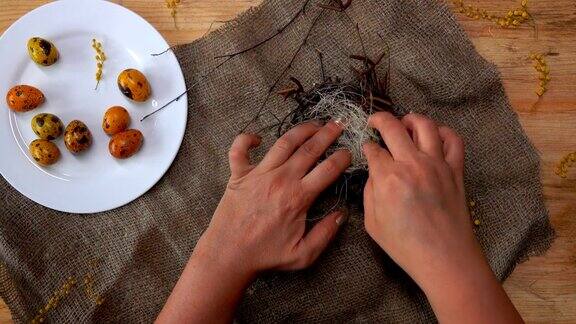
{"x":543,"y":288}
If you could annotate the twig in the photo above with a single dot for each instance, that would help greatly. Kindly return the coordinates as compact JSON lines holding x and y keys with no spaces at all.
{"x":164,"y":51}
{"x":361,"y":40}
{"x":278,"y":32}
{"x":187,"y":90}
{"x":273,"y":115}
{"x":289,"y":91}
{"x":283,"y":71}
{"x":389,"y":58}
{"x":230,"y":56}
{"x":211,"y":24}
{"x":321,"y":59}
{"x":357,"y":27}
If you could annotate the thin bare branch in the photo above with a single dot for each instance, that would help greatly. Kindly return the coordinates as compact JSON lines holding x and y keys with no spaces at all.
{"x":286,"y":68}
{"x":202,"y":77}
{"x":264,"y":41}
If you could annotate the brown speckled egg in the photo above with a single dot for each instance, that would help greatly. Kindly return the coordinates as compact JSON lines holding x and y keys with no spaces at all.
{"x":23,"y":98}
{"x":47,"y":126}
{"x":44,"y":152}
{"x":124,"y":145}
{"x":42,"y":51}
{"x":77,"y":137}
{"x":116,"y":120}
{"x":134,"y":85}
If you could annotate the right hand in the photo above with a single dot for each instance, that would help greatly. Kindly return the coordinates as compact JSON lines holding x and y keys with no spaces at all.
{"x":414,"y":200}
{"x":415,"y":209}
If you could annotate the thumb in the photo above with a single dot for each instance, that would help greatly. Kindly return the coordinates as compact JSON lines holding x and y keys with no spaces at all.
{"x":316,"y":241}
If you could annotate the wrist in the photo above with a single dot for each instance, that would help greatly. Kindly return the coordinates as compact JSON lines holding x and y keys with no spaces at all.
{"x":466,"y":291}
{"x":209,"y":285}
{"x":213,"y":259}
{"x":463,"y":275}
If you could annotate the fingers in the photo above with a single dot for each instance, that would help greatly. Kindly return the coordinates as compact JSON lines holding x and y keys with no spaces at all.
{"x":376,"y":155}
{"x":316,"y":241}
{"x":394,"y":134}
{"x":239,"y":155}
{"x":309,"y":153}
{"x":453,"y":152}
{"x":425,"y":134}
{"x":326,"y":173}
{"x":285,"y":146}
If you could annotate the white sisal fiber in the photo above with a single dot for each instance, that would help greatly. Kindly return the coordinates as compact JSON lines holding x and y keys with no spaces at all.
{"x":337,"y":105}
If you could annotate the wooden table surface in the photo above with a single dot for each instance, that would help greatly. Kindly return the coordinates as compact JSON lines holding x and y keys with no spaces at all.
{"x":543,"y":288}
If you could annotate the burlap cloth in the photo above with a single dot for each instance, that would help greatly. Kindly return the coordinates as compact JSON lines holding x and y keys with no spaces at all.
{"x":136,"y":253}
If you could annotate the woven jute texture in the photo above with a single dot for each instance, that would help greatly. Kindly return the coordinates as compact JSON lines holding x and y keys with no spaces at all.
{"x":134,"y":254}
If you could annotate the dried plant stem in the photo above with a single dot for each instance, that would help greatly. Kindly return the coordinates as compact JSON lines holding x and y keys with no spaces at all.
{"x":286,"y":68}
{"x":202,"y":77}
{"x":164,"y":51}
{"x":228,"y":57}
{"x":278,"y":32}
{"x":567,"y":162}
{"x":100,"y":58}
{"x":543,"y":70}
{"x":321,"y":61}
{"x":57,"y":296}
{"x":514,"y":18}
{"x":212,"y":24}
{"x":205,"y":33}
{"x":359,"y":35}
{"x":173,"y":6}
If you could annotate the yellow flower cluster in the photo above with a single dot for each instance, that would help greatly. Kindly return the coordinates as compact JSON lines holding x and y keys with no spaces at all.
{"x":471,"y":205}
{"x":566,"y":162}
{"x":100,"y":58}
{"x":544,"y":72}
{"x":512,"y":19}
{"x":89,"y":289}
{"x":172,"y":5}
{"x":54,"y":300}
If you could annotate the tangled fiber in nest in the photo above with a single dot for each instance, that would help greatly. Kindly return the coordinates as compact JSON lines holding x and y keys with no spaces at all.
{"x":352,"y":104}
{"x":344,"y":104}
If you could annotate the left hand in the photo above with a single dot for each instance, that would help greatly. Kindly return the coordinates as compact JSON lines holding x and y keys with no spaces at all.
{"x":260,"y":222}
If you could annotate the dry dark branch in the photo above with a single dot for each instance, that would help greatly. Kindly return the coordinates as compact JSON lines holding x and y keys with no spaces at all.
{"x":230,"y":56}
{"x":264,"y":41}
{"x":321,"y":61}
{"x":211,"y":24}
{"x":286,"y":68}
{"x":202,"y":77}
{"x":291,"y":90}
{"x":164,"y":51}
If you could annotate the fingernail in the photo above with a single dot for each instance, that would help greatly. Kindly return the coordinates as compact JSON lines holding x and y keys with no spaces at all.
{"x":340,"y":122}
{"x":318,"y":122}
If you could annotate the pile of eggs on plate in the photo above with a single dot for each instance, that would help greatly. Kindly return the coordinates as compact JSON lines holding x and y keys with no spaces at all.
{"x":77,"y":137}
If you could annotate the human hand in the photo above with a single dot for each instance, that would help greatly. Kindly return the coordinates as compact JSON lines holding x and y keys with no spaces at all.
{"x":415,"y":209}
{"x":414,"y":200}
{"x":260,"y":221}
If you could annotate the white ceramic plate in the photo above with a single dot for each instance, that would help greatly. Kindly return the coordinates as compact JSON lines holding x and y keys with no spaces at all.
{"x":93,"y":181}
